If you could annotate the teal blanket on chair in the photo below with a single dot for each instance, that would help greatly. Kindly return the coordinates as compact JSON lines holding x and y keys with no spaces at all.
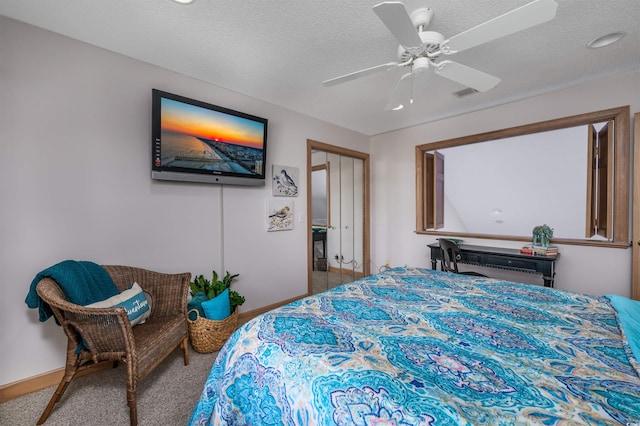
{"x":82,"y":282}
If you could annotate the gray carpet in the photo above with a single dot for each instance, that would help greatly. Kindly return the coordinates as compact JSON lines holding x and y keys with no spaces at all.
{"x":323,"y":280}
{"x":165,"y":397}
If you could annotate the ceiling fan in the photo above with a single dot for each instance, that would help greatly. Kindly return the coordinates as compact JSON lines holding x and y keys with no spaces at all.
{"x":420,"y":50}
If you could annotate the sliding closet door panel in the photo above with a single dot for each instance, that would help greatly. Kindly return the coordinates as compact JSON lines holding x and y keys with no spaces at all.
{"x":358,"y":217}
{"x":320,"y":220}
{"x":346,"y":215}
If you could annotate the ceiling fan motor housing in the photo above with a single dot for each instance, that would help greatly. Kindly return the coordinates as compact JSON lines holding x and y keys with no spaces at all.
{"x":431,"y":41}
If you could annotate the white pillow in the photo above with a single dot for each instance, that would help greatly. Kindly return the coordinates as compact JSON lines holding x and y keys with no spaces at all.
{"x":133,"y":300}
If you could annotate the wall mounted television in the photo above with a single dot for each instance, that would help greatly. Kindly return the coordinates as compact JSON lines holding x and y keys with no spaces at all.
{"x":195,"y":141}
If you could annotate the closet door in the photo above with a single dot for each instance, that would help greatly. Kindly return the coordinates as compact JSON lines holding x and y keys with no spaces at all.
{"x":343,"y":234}
{"x":320,"y":219}
{"x":351,"y":219}
{"x":338,"y":250}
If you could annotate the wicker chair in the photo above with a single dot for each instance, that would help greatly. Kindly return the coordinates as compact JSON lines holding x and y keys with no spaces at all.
{"x":108,"y":335}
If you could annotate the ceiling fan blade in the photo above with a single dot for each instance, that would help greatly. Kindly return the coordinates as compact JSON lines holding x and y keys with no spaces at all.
{"x":358,"y":74}
{"x":467,"y":76}
{"x":401,"y":94}
{"x":395,"y":17}
{"x":519,"y":19}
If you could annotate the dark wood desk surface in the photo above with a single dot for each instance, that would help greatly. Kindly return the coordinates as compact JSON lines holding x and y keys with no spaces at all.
{"x":502,"y":258}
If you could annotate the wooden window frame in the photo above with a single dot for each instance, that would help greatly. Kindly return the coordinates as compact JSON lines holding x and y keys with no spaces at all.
{"x":620,"y":174}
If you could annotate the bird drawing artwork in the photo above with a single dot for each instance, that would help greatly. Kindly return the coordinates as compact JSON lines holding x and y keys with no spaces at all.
{"x":285,"y":184}
{"x":281,"y":214}
{"x":280,"y":218}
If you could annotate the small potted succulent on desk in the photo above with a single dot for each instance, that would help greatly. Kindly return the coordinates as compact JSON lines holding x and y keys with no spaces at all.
{"x":212,"y":313}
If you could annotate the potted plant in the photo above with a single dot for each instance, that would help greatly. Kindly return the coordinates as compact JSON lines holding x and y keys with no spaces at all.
{"x":219,"y":292}
{"x":215,"y":307}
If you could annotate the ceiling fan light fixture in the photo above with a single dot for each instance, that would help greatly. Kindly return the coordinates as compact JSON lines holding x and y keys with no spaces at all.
{"x":398,"y":108}
{"x":184,"y":1}
{"x":606,"y":40}
{"x":420,"y":65}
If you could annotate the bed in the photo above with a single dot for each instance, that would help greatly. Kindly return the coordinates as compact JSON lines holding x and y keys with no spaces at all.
{"x":413,"y":346}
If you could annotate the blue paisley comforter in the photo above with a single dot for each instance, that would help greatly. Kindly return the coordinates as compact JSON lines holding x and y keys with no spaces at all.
{"x":420,"y":347}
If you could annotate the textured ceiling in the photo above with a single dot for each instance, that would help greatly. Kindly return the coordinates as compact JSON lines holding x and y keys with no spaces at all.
{"x":281,"y":51}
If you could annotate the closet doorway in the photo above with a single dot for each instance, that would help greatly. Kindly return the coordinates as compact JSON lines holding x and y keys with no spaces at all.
{"x":338,"y":216}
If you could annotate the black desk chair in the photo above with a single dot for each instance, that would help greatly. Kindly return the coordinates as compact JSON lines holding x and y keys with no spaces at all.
{"x":450,"y":257}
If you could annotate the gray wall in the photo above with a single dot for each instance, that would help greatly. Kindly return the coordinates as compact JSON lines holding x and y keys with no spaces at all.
{"x":75,"y":184}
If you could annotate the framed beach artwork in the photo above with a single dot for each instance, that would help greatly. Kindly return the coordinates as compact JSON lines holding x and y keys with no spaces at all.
{"x":279,"y":215}
{"x":285,"y":181}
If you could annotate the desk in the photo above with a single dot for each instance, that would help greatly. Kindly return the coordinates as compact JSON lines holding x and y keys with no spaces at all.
{"x":502,"y":258}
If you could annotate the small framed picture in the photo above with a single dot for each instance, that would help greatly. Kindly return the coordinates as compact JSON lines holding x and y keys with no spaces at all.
{"x":285,"y":181}
{"x":280,"y":215}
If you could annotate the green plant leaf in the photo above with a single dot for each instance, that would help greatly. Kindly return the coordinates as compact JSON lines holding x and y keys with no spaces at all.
{"x":216,"y":286}
{"x":199,"y":284}
{"x":235,"y":300}
{"x":228,"y":278}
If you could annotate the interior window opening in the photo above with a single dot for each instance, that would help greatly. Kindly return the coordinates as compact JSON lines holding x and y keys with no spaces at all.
{"x":571,"y":173}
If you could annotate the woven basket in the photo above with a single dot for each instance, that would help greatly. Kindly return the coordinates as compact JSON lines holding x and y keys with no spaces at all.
{"x":209,"y":335}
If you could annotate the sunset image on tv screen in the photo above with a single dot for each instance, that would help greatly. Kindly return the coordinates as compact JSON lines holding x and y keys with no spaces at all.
{"x":199,"y":138}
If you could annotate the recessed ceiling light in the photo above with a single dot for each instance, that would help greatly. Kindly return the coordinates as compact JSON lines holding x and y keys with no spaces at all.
{"x":605,"y":40}
{"x":184,"y":1}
